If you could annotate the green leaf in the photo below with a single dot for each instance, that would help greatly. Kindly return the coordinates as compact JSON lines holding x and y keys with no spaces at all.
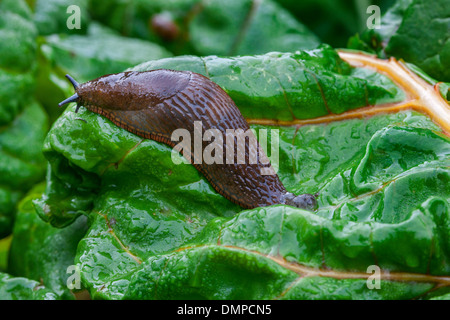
{"x":41,"y":252}
{"x":127,"y":251}
{"x":23,"y":123}
{"x":160,"y":231}
{"x":21,"y":161}
{"x":18,"y":35}
{"x":17,"y":55}
{"x":247,"y":27}
{"x":415,"y":31}
{"x":4,"y":250}
{"x":332,"y":21}
{"x":19,"y":288}
{"x":100,"y":51}
{"x":53,"y":16}
{"x":287,"y":86}
{"x":209,"y":27}
{"x":425,"y":25}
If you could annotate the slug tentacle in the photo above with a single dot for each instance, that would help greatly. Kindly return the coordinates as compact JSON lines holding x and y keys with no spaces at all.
{"x":73,"y":98}
{"x":155,"y":104}
{"x":74,"y":83}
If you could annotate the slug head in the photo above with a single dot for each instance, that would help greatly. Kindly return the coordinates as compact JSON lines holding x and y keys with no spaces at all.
{"x":128,"y":91}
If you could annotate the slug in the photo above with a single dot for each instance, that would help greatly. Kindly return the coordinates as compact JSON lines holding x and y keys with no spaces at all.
{"x":153,"y":104}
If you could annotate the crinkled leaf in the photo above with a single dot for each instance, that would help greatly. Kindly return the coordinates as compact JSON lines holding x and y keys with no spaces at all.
{"x":54,"y":16}
{"x":332,"y":21}
{"x":100,"y":51}
{"x":21,"y":161}
{"x":17,"y":58}
{"x":23,"y":123}
{"x":41,"y":252}
{"x":209,"y":27}
{"x":319,"y":75}
{"x":18,"y":35}
{"x":288,"y":86}
{"x":422,"y":38}
{"x":84,"y":57}
{"x":19,"y":288}
{"x":160,"y":231}
{"x":416,"y":31}
{"x":140,"y":236}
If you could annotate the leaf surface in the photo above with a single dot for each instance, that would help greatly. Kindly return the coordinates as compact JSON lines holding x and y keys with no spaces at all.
{"x":415,"y":31}
{"x":160,"y":231}
{"x":23,"y":122}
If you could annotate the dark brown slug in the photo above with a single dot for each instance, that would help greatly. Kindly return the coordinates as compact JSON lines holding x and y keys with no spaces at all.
{"x":153,"y":104}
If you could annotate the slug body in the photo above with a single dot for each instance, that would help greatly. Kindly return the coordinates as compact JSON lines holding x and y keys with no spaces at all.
{"x":153,"y":104}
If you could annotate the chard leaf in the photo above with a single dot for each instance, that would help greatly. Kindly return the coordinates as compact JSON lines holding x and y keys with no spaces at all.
{"x":51,"y":16}
{"x":41,"y":252}
{"x":415,"y":31}
{"x":96,"y":53}
{"x":19,"y":288}
{"x":23,"y":122}
{"x":289,"y":86}
{"x":200,"y":27}
{"x":159,"y":230}
{"x":16,"y":58}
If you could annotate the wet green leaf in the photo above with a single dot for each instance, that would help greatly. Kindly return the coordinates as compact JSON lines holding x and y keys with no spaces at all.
{"x":41,"y":252}
{"x":21,"y":161}
{"x":138,"y":226}
{"x":160,"y":231}
{"x":288,"y":86}
{"x":18,"y":288}
{"x":4,"y":250}
{"x":415,"y":31}
{"x":208,"y":27}
{"x":23,"y":123}
{"x":135,"y":232}
{"x":100,"y":51}
{"x":54,"y":16}
{"x":17,"y":58}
